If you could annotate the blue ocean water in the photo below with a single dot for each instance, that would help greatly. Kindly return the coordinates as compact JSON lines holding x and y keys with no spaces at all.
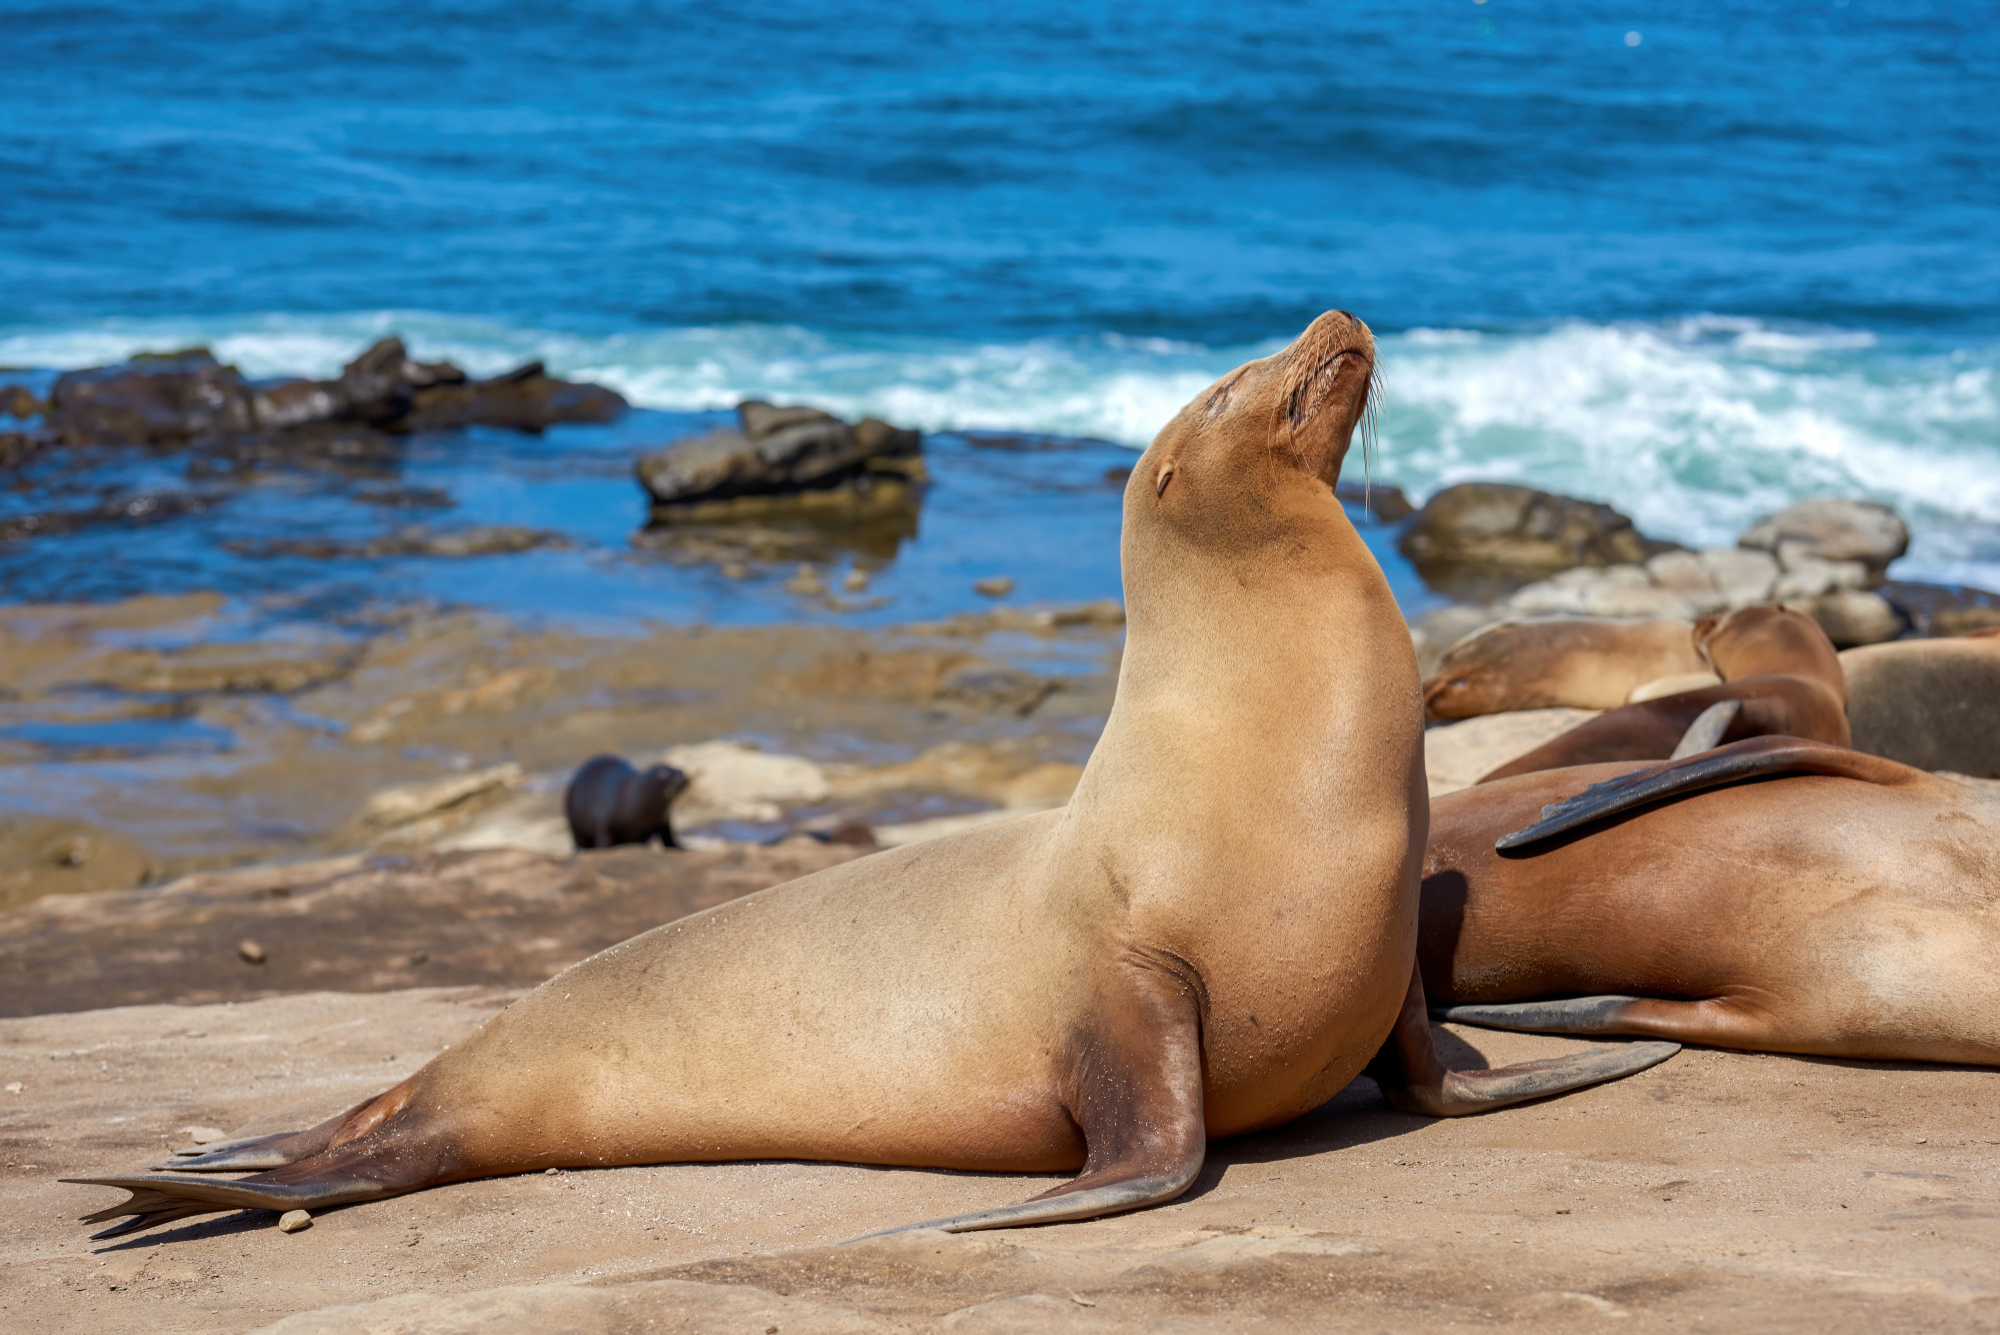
{"x":1695,"y":262}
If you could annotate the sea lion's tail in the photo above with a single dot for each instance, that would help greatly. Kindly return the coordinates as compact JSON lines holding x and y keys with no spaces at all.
{"x":1739,"y":762}
{"x":364,"y":1154}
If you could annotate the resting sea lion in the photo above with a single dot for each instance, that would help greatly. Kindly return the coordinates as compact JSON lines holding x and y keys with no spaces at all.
{"x":609,"y":803}
{"x":1934,"y":704}
{"x":1780,"y":675}
{"x":1845,"y":906}
{"x":1574,"y":662}
{"x":1213,"y":936}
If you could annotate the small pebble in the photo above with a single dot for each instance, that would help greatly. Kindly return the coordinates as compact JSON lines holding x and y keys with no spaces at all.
{"x":13,"y":1087}
{"x":204,"y":1135}
{"x":419,"y":956}
{"x":996,"y":586}
{"x":294,"y":1220}
{"x":250,"y":951}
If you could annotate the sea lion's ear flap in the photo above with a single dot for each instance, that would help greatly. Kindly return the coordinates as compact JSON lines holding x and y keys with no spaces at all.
{"x":1704,"y":631}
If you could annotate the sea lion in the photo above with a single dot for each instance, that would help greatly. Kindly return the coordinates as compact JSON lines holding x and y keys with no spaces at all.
{"x":1573,"y":662}
{"x":1780,"y":675}
{"x":1842,"y":905}
{"x":1212,"y":937}
{"x":609,"y":803}
{"x":1934,"y":704}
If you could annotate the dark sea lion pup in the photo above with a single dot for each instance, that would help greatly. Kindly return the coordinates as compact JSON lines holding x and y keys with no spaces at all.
{"x":1774,"y":894}
{"x":609,"y":803}
{"x":1215,"y":935}
{"x":1780,"y":676}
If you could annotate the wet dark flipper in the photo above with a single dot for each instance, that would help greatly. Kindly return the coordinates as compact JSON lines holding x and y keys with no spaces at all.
{"x":1136,"y":1094}
{"x":1414,"y":1078}
{"x":1566,"y":1015}
{"x":1755,"y":758}
{"x":161,"y":1200}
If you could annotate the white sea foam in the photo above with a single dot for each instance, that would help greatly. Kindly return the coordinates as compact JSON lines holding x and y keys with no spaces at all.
{"x":1693,"y":426}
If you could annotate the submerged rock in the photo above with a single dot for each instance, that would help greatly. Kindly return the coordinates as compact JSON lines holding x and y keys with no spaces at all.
{"x":59,"y":855}
{"x":1832,"y":529}
{"x":794,"y":454}
{"x":1500,"y":526}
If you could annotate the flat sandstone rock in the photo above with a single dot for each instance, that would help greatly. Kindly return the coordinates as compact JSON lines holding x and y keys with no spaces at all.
{"x":1719,"y":1191}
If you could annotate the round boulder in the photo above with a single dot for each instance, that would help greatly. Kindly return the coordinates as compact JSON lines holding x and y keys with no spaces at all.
{"x":1832,"y":529}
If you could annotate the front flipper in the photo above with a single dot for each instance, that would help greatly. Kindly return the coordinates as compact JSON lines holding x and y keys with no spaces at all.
{"x":1135,"y":1092}
{"x":1707,"y":729}
{"x":1754,"y":758}
{"x":1415,"y":1079}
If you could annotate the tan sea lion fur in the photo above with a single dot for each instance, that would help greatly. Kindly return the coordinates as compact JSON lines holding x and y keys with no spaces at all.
{"x":1214,"y":936}
{"x":1572,"y":662}
{"x":1780,"y":676}
{"x":1934,"y":704}
{"x":1844,"y":905}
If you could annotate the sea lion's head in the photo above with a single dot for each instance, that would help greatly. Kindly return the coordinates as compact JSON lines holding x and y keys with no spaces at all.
{"x":1267,"y":425}
{"x":1756,"y":640}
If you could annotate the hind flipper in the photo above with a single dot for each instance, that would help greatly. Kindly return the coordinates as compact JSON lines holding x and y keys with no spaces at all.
{"x":1415,"y":1079}
{"x":159,"y":1200}
{"x":1721,"y":1022}
{"x":1755,"y":758}
{"x":1707,"y":729}
{"x":1135,"y":1093}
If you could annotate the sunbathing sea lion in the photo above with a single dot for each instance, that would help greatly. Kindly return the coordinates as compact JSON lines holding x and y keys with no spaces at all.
{"x":1843,"y":905}
{"x":1780,"y":676}
{"x":609,"y":803}
{"x":1934,"y":704}
{"x":1213,"y":936}
{"x":1574,"y":662}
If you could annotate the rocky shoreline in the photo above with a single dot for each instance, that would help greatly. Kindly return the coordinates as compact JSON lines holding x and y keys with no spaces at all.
{"x":469,"y":723}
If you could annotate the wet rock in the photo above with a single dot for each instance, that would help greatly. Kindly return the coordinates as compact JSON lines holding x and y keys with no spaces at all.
{"x":231,"y":668}
{"x":1386,"y":504}
{"x":59,"y":855}
{"x":1831,"y":529}
{"x":175,"y":398}
{"x":153,"y":399}
{"x":1853,"y":617}
{"x":996,"y":687}
{"x":478,"y":540}
{"x":995,"y":586}
{"x":16,"y":446}
{"x":19,"y":401}
{"x":1501,"y":526}
{"x":781,"y":452}
{"x":1944,"y":609}
{"x":524,"y":399}
{"x":144,"y":508}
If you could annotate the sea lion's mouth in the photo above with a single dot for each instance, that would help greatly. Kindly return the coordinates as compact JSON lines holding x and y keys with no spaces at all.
{"x":1311,"y":391}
